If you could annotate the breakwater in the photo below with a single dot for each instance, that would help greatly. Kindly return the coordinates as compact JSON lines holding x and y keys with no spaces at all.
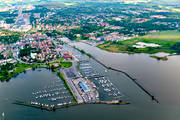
{"x":43,"y":107}
{"x":54,"y":108}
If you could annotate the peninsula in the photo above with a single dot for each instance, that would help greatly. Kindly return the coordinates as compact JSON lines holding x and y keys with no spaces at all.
{"x":161,"y":42}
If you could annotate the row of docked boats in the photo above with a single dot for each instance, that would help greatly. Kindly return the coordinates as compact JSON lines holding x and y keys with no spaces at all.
{"x":47,"y":91}
{"x":102,"y":82}
{"x":50,"y":105}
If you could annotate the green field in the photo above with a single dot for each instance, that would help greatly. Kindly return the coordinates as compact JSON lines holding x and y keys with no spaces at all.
{"x":169,"y":41}
{"x":165,"y":35}
{"x":66,"y":64}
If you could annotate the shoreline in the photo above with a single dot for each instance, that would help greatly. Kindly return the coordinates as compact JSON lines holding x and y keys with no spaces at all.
{"x":30,"y":67}
{"x":24,"y":70}
{"x":15,"y":74}
{"x":165,"y":58}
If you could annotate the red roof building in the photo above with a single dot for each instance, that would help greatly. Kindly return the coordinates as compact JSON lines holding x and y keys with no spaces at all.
{"x":67,"y":56}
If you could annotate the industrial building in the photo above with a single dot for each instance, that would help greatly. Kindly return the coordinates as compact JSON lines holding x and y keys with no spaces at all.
{"x":84,"y":86}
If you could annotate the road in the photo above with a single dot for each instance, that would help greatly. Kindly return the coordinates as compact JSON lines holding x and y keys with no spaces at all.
{"x":71,"y":84}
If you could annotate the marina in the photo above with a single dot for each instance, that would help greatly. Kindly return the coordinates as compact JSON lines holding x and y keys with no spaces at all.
{"x":103,"y":83}
{"x":41,"y":80}
{"x":51,"y":94}
{"x":54,"y":93}
{"x":106,"y":89}
{"x":86,"y":85}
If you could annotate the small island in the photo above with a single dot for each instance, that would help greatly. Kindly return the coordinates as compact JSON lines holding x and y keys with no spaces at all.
{"x":159,"y":58}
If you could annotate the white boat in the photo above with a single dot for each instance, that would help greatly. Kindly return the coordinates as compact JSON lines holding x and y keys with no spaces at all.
{"x":59,"y":104}
{"x":3,"y":114}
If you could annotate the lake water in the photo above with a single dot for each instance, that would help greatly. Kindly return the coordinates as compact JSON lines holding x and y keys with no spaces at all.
{"x":141,"y":107}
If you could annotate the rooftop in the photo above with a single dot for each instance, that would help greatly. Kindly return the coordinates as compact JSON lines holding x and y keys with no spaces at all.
{"x":84,"y":86}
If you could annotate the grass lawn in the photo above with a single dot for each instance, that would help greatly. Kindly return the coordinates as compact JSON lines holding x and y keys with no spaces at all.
{"x":21,"y":67}
{"x":66,"y":64}
{"x":61,"y":64}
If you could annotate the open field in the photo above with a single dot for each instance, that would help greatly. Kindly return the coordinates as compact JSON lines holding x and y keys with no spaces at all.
{"x":169,"y":42}
{"x":165,"y":35}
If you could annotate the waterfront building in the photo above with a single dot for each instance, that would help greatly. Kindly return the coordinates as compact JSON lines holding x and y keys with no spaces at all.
{"x":84,"y":86}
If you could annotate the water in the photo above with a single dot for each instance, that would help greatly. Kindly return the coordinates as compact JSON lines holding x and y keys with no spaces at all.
{"x":40,"y":86}
{"x":141,"y":107}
